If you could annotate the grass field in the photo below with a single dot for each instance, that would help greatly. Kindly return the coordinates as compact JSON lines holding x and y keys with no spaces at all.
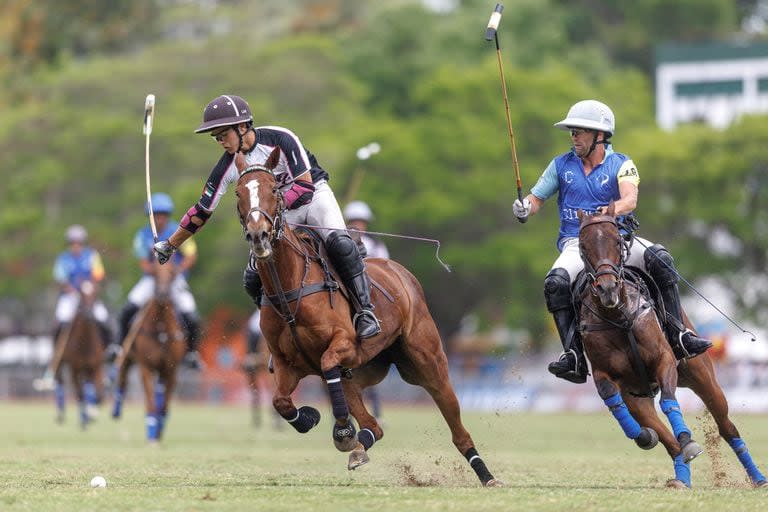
{"x":213,"y":459}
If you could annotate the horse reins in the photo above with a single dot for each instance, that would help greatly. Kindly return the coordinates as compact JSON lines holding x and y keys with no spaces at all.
{"x":283,"y":308}
{"x":617,"y":271}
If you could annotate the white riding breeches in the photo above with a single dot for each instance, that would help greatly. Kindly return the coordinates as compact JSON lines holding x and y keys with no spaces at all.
{"x":181,"y":296}
{"x":66,"y":307}
{"x":323,"y":212}
{"x":570,"y":258}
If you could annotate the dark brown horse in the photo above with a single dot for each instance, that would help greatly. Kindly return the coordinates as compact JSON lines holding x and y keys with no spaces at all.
{"x":79,"y":348}
{"x":156,"y":343}
{"x":308,"y":328}
{"x":631,"y":358}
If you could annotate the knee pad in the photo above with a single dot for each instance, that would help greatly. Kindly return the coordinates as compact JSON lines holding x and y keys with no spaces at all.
{"x":557,"y":290}
{"x":344,"y":254}
{"x":661,"y":265}
{"x":252,"y":284}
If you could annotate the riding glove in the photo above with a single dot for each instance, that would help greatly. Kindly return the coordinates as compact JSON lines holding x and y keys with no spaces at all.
{"x":521,"y":209}
{"x":164,"y":251}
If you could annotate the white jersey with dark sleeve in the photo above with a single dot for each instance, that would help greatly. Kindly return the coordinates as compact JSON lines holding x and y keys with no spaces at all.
{"x":294,"y":161}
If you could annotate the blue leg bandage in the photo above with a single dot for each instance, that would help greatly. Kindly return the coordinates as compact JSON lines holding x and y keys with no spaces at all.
{"x":618,"y":408}
{"x":117,"y":409}
{"x":59,"y":397}
{"x":89,"y":390}
{"x":740,"y":448}
{"x":672,"y":409}
{"x":682,"y":470}
{"x":152,"y":427}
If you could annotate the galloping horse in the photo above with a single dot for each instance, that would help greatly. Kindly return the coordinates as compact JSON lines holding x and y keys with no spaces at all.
{"x":307,"y":325}
{"x":80,"y":348}
{"x":156,"y":343}
{"x":631,"y":358}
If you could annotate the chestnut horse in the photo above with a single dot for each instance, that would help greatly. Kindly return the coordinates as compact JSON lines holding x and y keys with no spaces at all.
{"x":306,"y":321}
{"x":631,"y":358}
{"x":79,"y":347}
{"x":156,"y":343}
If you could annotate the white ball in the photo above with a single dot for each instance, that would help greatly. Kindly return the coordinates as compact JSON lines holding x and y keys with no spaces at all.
{"x":98,"y":481}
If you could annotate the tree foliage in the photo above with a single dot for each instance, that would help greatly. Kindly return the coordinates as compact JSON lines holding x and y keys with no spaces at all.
{"x":425,"y":85}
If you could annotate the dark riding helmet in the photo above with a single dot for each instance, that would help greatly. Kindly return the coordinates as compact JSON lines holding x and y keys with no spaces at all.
{"x":226,"y":110}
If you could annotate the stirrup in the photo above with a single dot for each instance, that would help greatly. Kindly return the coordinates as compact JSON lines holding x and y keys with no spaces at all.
{"x":703,"y":344}
{"x":562,"y":368}
{"x":373,"y":328}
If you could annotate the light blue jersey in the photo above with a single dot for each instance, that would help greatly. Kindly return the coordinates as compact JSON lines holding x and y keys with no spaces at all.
{"x":565,"y":176}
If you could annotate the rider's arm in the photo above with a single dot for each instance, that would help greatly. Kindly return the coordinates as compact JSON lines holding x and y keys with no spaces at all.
{"x":628,"y":180}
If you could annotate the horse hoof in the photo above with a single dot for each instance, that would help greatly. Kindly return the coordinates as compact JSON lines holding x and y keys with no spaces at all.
{"x":647,"y":439}
{"x":345,"y":436}
{"x":357,"y":457}
{"x":691,"y":451}
{"x":493,"y":482}
{"x":674,"y":483}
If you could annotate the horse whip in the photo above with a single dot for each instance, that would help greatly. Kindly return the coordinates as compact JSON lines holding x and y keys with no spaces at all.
{"x":149,"y":114}
{"x":492,"y":33}
{"x":751,"y":334}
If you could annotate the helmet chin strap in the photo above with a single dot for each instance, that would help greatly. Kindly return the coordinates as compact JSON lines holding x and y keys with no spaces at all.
{"x":240,"y":146}
{"x":595,"y":142}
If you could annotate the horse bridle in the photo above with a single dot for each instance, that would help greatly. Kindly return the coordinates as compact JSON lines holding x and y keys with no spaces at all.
{"x":605,"y":266}
{"x":277,"y":221}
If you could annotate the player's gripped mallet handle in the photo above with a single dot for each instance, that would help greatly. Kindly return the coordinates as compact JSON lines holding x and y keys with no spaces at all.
{"x":149,"y":114}
{"x":491,"y":33}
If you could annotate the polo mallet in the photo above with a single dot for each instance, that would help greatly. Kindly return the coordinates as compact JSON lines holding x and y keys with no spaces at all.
{"x":149,"y":114}
{"x":491,"y":33}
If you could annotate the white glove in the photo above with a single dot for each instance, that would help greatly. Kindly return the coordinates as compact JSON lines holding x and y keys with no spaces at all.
{"x":164,"y":251}
{"x":521,"y":209}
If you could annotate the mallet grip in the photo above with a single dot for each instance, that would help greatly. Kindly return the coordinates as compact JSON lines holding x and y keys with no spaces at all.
{"x":493,"y":23}
{"x":149,"y":113}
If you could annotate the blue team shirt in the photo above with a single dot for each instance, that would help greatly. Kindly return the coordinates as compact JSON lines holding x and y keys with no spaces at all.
{"x":565,"y":176}
{"x":74,"y":269}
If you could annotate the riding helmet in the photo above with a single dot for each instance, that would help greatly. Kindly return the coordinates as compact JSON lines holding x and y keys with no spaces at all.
{"x":226,"y":110}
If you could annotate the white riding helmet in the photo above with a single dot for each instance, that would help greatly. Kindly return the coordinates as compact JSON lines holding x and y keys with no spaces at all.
{"x":76,"y":233}
{"x":358,"y":210}
{"x":589,"y":114}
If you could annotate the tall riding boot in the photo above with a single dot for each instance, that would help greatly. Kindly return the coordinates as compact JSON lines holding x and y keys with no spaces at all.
{"x":192,"y":327}
{"x":685,"y":344}
{"x":253,"y":286}
{"x":124,"y":325}
{"x":106,"y":334}
{"x":661,"y":266}
{"x":571,"y":365}
{"x":345,"y":256}
{"x":366,"y":323}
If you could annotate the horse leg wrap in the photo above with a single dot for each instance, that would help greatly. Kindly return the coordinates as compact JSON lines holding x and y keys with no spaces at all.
{"x":478,"y":465}
{"x":741,"y":451}
{"x":366,"y":438}
{"x":682,"y":470}
{"x":338,"y":402}
{"x":303,"y":419}
{"x":153,"y":429}
{"x":59,"y":392}
{"x":117,"y":408}
{"x":671,"y":408}
{"x":618,"y":408}
{"x":89,"y":392}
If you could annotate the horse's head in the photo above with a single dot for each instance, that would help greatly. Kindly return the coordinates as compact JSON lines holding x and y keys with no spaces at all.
{"x":260,"y":205}
{"x":602,"y":251}
{"x":164,"y":276}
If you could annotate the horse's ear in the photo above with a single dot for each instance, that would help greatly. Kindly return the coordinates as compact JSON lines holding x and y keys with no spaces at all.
{"x":580,"y":214}
{"x":611,"y":209}
{"x":274,"y":158}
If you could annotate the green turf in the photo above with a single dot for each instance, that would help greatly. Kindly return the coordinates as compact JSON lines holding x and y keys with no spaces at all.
{"x":213,"y":459}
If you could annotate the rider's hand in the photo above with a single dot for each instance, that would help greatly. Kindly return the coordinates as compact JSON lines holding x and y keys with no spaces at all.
{"x":164,"y":251}
{"x":521,"y":209}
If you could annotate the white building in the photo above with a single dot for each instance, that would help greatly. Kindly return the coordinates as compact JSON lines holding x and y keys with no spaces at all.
{"x":712,"y":83}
